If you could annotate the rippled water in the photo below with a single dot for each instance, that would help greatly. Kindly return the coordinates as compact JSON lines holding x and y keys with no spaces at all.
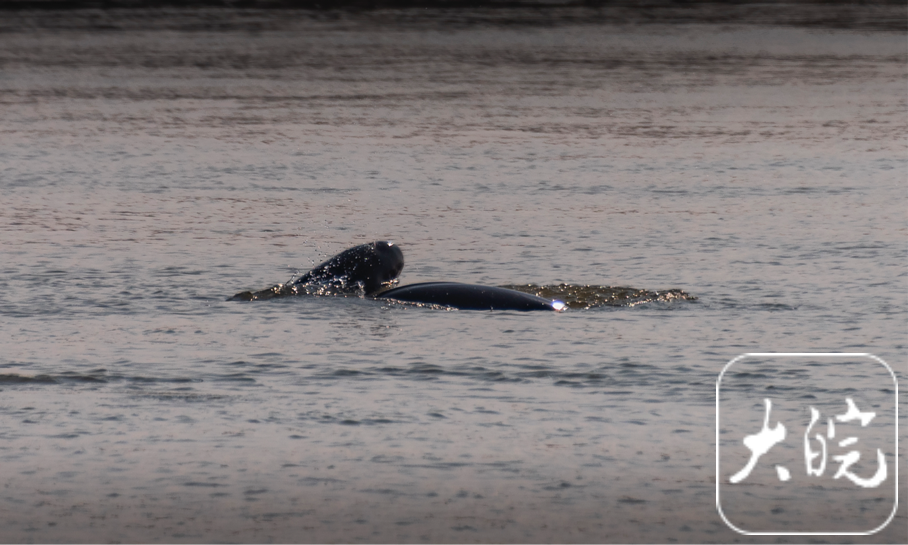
{"x":148,"y":175}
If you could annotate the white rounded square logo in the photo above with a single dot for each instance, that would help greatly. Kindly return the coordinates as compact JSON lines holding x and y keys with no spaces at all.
{"x":807,"y":444}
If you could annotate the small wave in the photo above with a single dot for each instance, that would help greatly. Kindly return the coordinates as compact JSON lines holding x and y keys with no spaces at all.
{"x":585,"y":297}
{"x":171,"y":395}
{"x":65,"y":377}
{"x":20,"y":379}
{"x":96,"y":377}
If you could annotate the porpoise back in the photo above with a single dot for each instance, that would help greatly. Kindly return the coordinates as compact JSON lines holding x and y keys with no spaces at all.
{"x":469,"y":297}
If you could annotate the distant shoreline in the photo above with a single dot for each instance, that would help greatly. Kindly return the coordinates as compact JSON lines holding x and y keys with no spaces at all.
{"x":366,"y":5}
{"x":259,"y":15}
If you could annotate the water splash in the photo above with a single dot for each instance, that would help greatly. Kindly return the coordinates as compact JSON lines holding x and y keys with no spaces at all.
{"x":337,"y":286}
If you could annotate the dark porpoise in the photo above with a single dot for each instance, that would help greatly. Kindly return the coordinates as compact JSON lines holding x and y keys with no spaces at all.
{"x":366,"y":268}
{"x":370,"y":269}
{"x":469,"y":297}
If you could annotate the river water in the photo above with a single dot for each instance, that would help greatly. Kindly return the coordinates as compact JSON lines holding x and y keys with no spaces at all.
{"x":152,"y":164}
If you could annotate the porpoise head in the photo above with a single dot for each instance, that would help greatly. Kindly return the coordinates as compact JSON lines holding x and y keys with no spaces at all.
{"x":392,"y":260}
{"x":367,"y":267}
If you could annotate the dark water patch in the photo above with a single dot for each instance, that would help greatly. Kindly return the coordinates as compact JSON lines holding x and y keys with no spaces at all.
{"x":572,"y":189}
{"x":745,"y":374}
{"x":560,"y":486}
{"x":623,"y":373}
{"x":168,"y":272}
{"x":419,"y":369}
{"x":509,"y":466}
{"x":172,"y":380}
{"x":258,"y":16}
{"x":255,"y":492}
{"x":440,"y":465}
{"x":775,"y":307}
{"x":803,"y":190}
{"x":24,"y":379}
{"x":75,"y":377}
{"x":382,"y":491}
{"x":783,"y":388}
{"x":233,"y":377}
{"x":494,"y":425}
{"x":345,"y":420}
{"x":312,"y":481}
{"x":204,"y":485}
{"x":863,"y":247}
{"x":180,"y":396}
{"x":268,"y":517}
{"x":427,"y":369}
{"x":384,"y":459}
{"x":536,"y":374}
{"x":630,"y":365}
{"x":66,"y":377}
{"x":348,"y":373}
{"x":587,"y":377}
{"x":493,"y":376}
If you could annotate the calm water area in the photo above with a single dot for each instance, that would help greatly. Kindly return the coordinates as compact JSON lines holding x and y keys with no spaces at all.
{"x":152,"y":164}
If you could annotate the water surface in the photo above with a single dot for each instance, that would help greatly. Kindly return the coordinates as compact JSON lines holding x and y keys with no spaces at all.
{"x":147,"y":175}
